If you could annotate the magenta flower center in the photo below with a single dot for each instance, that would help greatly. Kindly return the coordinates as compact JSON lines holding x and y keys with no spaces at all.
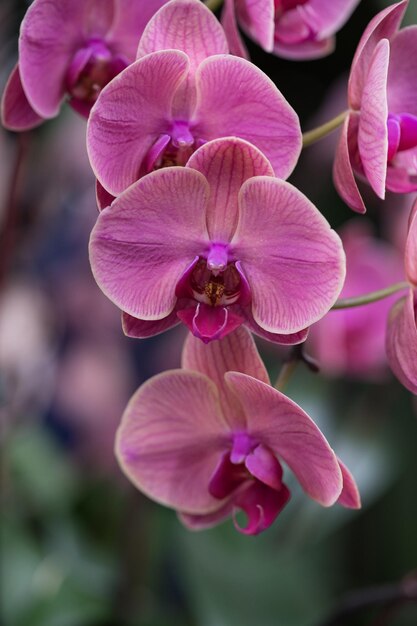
{"x":251,"y":476}
{"x":402,"y":133}
{"x":173,"y":148}
{"x":287,"y":5}
{"x":91,"y":69}
{"x":214,"y":287}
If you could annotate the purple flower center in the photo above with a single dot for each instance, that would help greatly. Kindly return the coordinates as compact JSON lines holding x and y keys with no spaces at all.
{"x":292,"y":26}
{"x":172,"y":148}
{"x":287,"y":5}
{"x":251,"y":475}
{"x":215,"y":287}
{"x":91,"y":69}
{"x":402,"y":133}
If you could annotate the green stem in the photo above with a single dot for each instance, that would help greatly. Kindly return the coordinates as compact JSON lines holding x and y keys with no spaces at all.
{"x":213,"y":5}
{"x":368,"y":298}
{"x":285,"y":374}
{"x":318,"y":133}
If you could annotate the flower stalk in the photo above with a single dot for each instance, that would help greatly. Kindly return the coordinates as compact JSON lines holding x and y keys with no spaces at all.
{"x":312,"y":136}
{"x":368,"y":298}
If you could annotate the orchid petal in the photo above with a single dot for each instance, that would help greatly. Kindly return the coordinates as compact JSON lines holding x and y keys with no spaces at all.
{"x":226,"y":164}
{"x":236,"y":352}
{"x":402,"y":73}
{"x":234,"y":98}
{"x":264,"y":466}
{"x":350,"y":497}
{"x":257,"y":20}
{"x":130,"y":114}
{"x":50,"y":35}
{"x":203,"y":522}
{"x":373,"y":131}
{"x":141,"y":329}
{"x":383,"y":26}
{"x":170,"y":439}
{"x":305,"y":49}
{"x":262,"y":505}
{"x":229,"y":23}
{"x":281,"y":425}
{"x":129,"y":23}
{"x":185,"y":25}
{"x":290,"y":340}
{"x":411,"y":248}
{"x":326,"y":18}
{"x":141,"y":245}
{"x":402,"y":172}
{"x":293,"y":260}
{"x":401,"y":341}
{"x":16,"y":112}
{"x":343,"y":177}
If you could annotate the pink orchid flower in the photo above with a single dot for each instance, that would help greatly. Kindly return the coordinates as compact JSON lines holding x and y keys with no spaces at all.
{"x":71,"y":49}
{"x":379,"y":137}
{"x":216,"y":244}
{"x":293,"y":29}
{"x":351,"y":342}
{"x":209,"y":439}
{"x":183,"y":91}
{"x":402,"y":324}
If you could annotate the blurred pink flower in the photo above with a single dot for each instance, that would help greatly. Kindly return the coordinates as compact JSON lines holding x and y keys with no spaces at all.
{"x":209,"y":439}
{"x":352,"y":341}
{"x":94,"y":381}
{"x":293,"y":29}
{"x":71,"y":48}
{"x":379,"y":137}
{"x":182,"y":92}
{"x":402,"y":325}
{"x":216,"y":244}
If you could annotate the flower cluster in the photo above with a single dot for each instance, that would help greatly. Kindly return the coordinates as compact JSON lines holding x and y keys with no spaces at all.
{"x":191,"y":147}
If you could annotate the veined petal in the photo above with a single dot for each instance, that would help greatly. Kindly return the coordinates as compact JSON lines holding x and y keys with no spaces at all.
{"x":226,"y":164}
{"x":203,"y":522}
{"x":50,"y":34}
{"x":98,"y":17}
{"x":383,"y":26}
{"x":141,"y":245}
{"x":411,"y":248}
{"x":236,"y":352}
{"x":257,"y":20}
{"x":343,"y":176}
{"x":234,"y":98}
{"x":402,"y":72}
{"x":16,"y":112}
{"x":229,"y":23}
{"x":290,"y":340}
{"x":141,"y":329}
{"x":130,"y":114}
{"x":305,"y":49}
{"x":373,"y":131}
{"x":401,"y":341}
{"x":185,"y":25}
{"x":282,"y":426}
{"x":293,"y":260}
{"x":129,"y":23}
{"x":350,"y":497}
{"x":326,"y":17}
{"x":170,"y":440}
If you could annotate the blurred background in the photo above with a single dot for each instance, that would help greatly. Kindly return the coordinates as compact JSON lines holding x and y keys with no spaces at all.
{"x":79,"y":545}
